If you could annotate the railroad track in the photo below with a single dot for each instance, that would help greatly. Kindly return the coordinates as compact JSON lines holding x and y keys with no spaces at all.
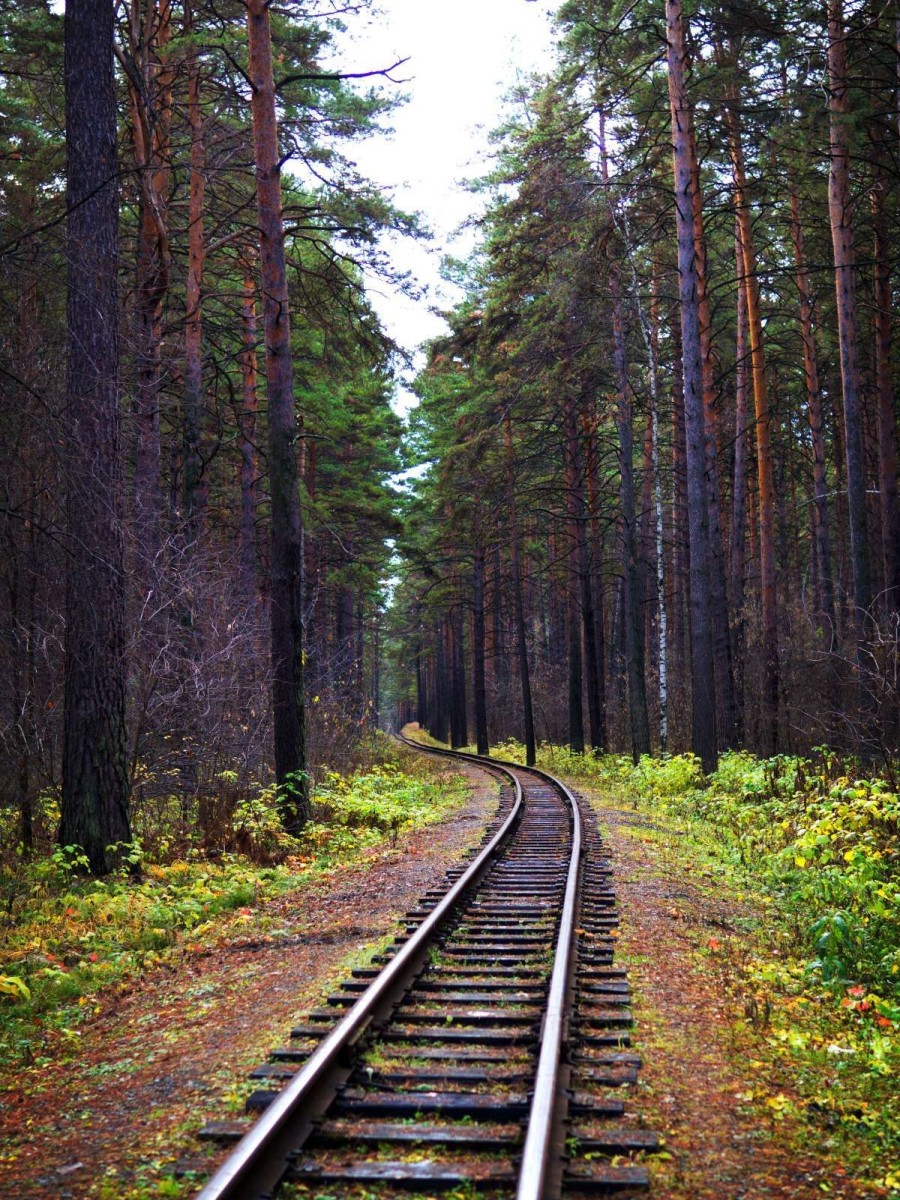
{"x":490,"y":1049}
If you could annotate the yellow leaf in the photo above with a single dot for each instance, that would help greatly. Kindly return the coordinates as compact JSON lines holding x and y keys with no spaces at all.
{"x":799,"y":861}
{"x":12,"y":985}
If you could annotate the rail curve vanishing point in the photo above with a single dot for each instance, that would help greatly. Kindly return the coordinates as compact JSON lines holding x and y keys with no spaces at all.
{"x":486,"y":1052}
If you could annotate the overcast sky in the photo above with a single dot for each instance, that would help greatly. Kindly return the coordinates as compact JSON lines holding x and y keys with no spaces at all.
{"x":463,"y":56}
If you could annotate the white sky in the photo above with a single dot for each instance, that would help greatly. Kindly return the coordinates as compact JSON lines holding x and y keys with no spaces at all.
{"x":463,"y":56}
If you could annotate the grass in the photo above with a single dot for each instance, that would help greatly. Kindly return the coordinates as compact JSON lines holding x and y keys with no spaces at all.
{"x":66,"y":938}
{"x":814,"y":979}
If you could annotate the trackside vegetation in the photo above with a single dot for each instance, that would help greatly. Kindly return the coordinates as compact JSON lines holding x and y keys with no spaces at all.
{"x":811,"y":845}
{"x":66,"y":938}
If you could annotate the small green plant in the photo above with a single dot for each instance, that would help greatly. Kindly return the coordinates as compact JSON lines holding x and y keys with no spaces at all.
{"x":70,"y":936}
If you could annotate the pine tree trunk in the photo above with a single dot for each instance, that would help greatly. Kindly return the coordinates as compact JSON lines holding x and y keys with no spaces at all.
{"x":703,"y":721}
{"x":840,"y":214}
{"x":95,"y":777}
{"x":574,"y":514}
{"x":594,"y":560}
{"x":726,"y":705}
{"x":441,"y":729}
{"x":499,"y":655}
{"x":518,"y":602}
{"x":592,"y":668}
{"x":249,"y":464}
{"x":815,"y":417}
{"x":421,"y":688}
{"x":193,"y":352}
{"x":634,"y":632}
{"x":887,"y":424}
{"x":459,"y":733}
{"x":765,"y":484}
{"x":150,"y":90}
{"x":738,"y":539}
{"x":478,"y":640}
{"x":288,"y":701}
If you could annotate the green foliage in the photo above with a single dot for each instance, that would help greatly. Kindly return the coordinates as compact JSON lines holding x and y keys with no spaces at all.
{"x":64,"y":936}
{"x":385,"y":800}
{"x":821,"y":841}
{"x":814,"y":975}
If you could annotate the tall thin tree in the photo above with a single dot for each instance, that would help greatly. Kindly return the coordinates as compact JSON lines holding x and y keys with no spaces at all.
{"x":95,"y":777}
{"x":288,"y":701}
{"x":703,"y":720}
{"x":841,"y":215}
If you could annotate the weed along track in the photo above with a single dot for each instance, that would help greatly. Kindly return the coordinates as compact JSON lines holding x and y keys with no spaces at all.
{"x":489,"y":1048}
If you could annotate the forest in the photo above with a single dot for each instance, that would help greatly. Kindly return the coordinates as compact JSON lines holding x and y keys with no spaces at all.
{"x":662,"y":432}
{"x":642,"y":523}
{"x":656,"y":501}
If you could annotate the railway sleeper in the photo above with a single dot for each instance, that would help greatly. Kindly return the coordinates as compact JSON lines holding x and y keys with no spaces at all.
{"x":609,"y":987}
{"x":605,"y":1018}
{"x":470,"y":1016}
{"x":613,"y":1141}
{"x":479,"y":1054}
{"x":354,"y":1102}
{"x":421,"y":1076}
{"x":497,"y":1037}
{"x":483,"y":1137}
{"x":435,"y":1176}
{"x":602,"y":1178}
{"x":457,"y":993}
{"x":586,"y":1104}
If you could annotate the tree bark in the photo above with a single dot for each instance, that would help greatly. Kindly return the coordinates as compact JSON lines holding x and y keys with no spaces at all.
{"x":722,"y":665}
{"x":459,"y":731}
{"x":703,"y":720}
{"x":649,"y":324}
{"x":193,"y":349}
{"x":815,"y":417}
{"x":478,"y":640}
{"x":288,"y":701}
{"x":150,"y":91}
{"x":95,"y":776}
{"x":575,"y":517}
{"x":594,"y":559}
{"x":681,"y":555}
{"x":738,"y":538}
{"x":840,"y":215}
{"x":518,"y":601}
{"x":634,"y":632}
{"x":765,"y":483}
{"x":887,"y":423}
{"x":249,"y":465}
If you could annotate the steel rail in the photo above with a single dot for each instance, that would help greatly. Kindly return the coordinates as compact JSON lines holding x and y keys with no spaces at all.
{"x":258,"y":1162}
{"x":542,"y":1119}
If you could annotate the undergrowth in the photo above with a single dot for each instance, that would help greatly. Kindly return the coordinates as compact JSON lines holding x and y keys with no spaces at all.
{"x":815,"y":980}
{"x":64,"y":937}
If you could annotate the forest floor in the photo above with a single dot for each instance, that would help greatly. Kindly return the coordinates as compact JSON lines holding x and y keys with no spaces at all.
{"x":174,"y":1050}
{"x":704,"y":1063}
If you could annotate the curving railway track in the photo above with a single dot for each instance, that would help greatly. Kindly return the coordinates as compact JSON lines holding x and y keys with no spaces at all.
{"x":488,"y":1050}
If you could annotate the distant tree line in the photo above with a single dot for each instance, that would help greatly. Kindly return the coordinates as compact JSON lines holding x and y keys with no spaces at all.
{"x":660,"y":509}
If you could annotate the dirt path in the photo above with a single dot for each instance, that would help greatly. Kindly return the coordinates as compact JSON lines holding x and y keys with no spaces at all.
{"x":697,"y":1073}
{"x":156,"y":1063}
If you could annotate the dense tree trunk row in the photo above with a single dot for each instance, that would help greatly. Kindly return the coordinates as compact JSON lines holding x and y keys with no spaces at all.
{"x":697,"y":480}
{"x":176,"y":509}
